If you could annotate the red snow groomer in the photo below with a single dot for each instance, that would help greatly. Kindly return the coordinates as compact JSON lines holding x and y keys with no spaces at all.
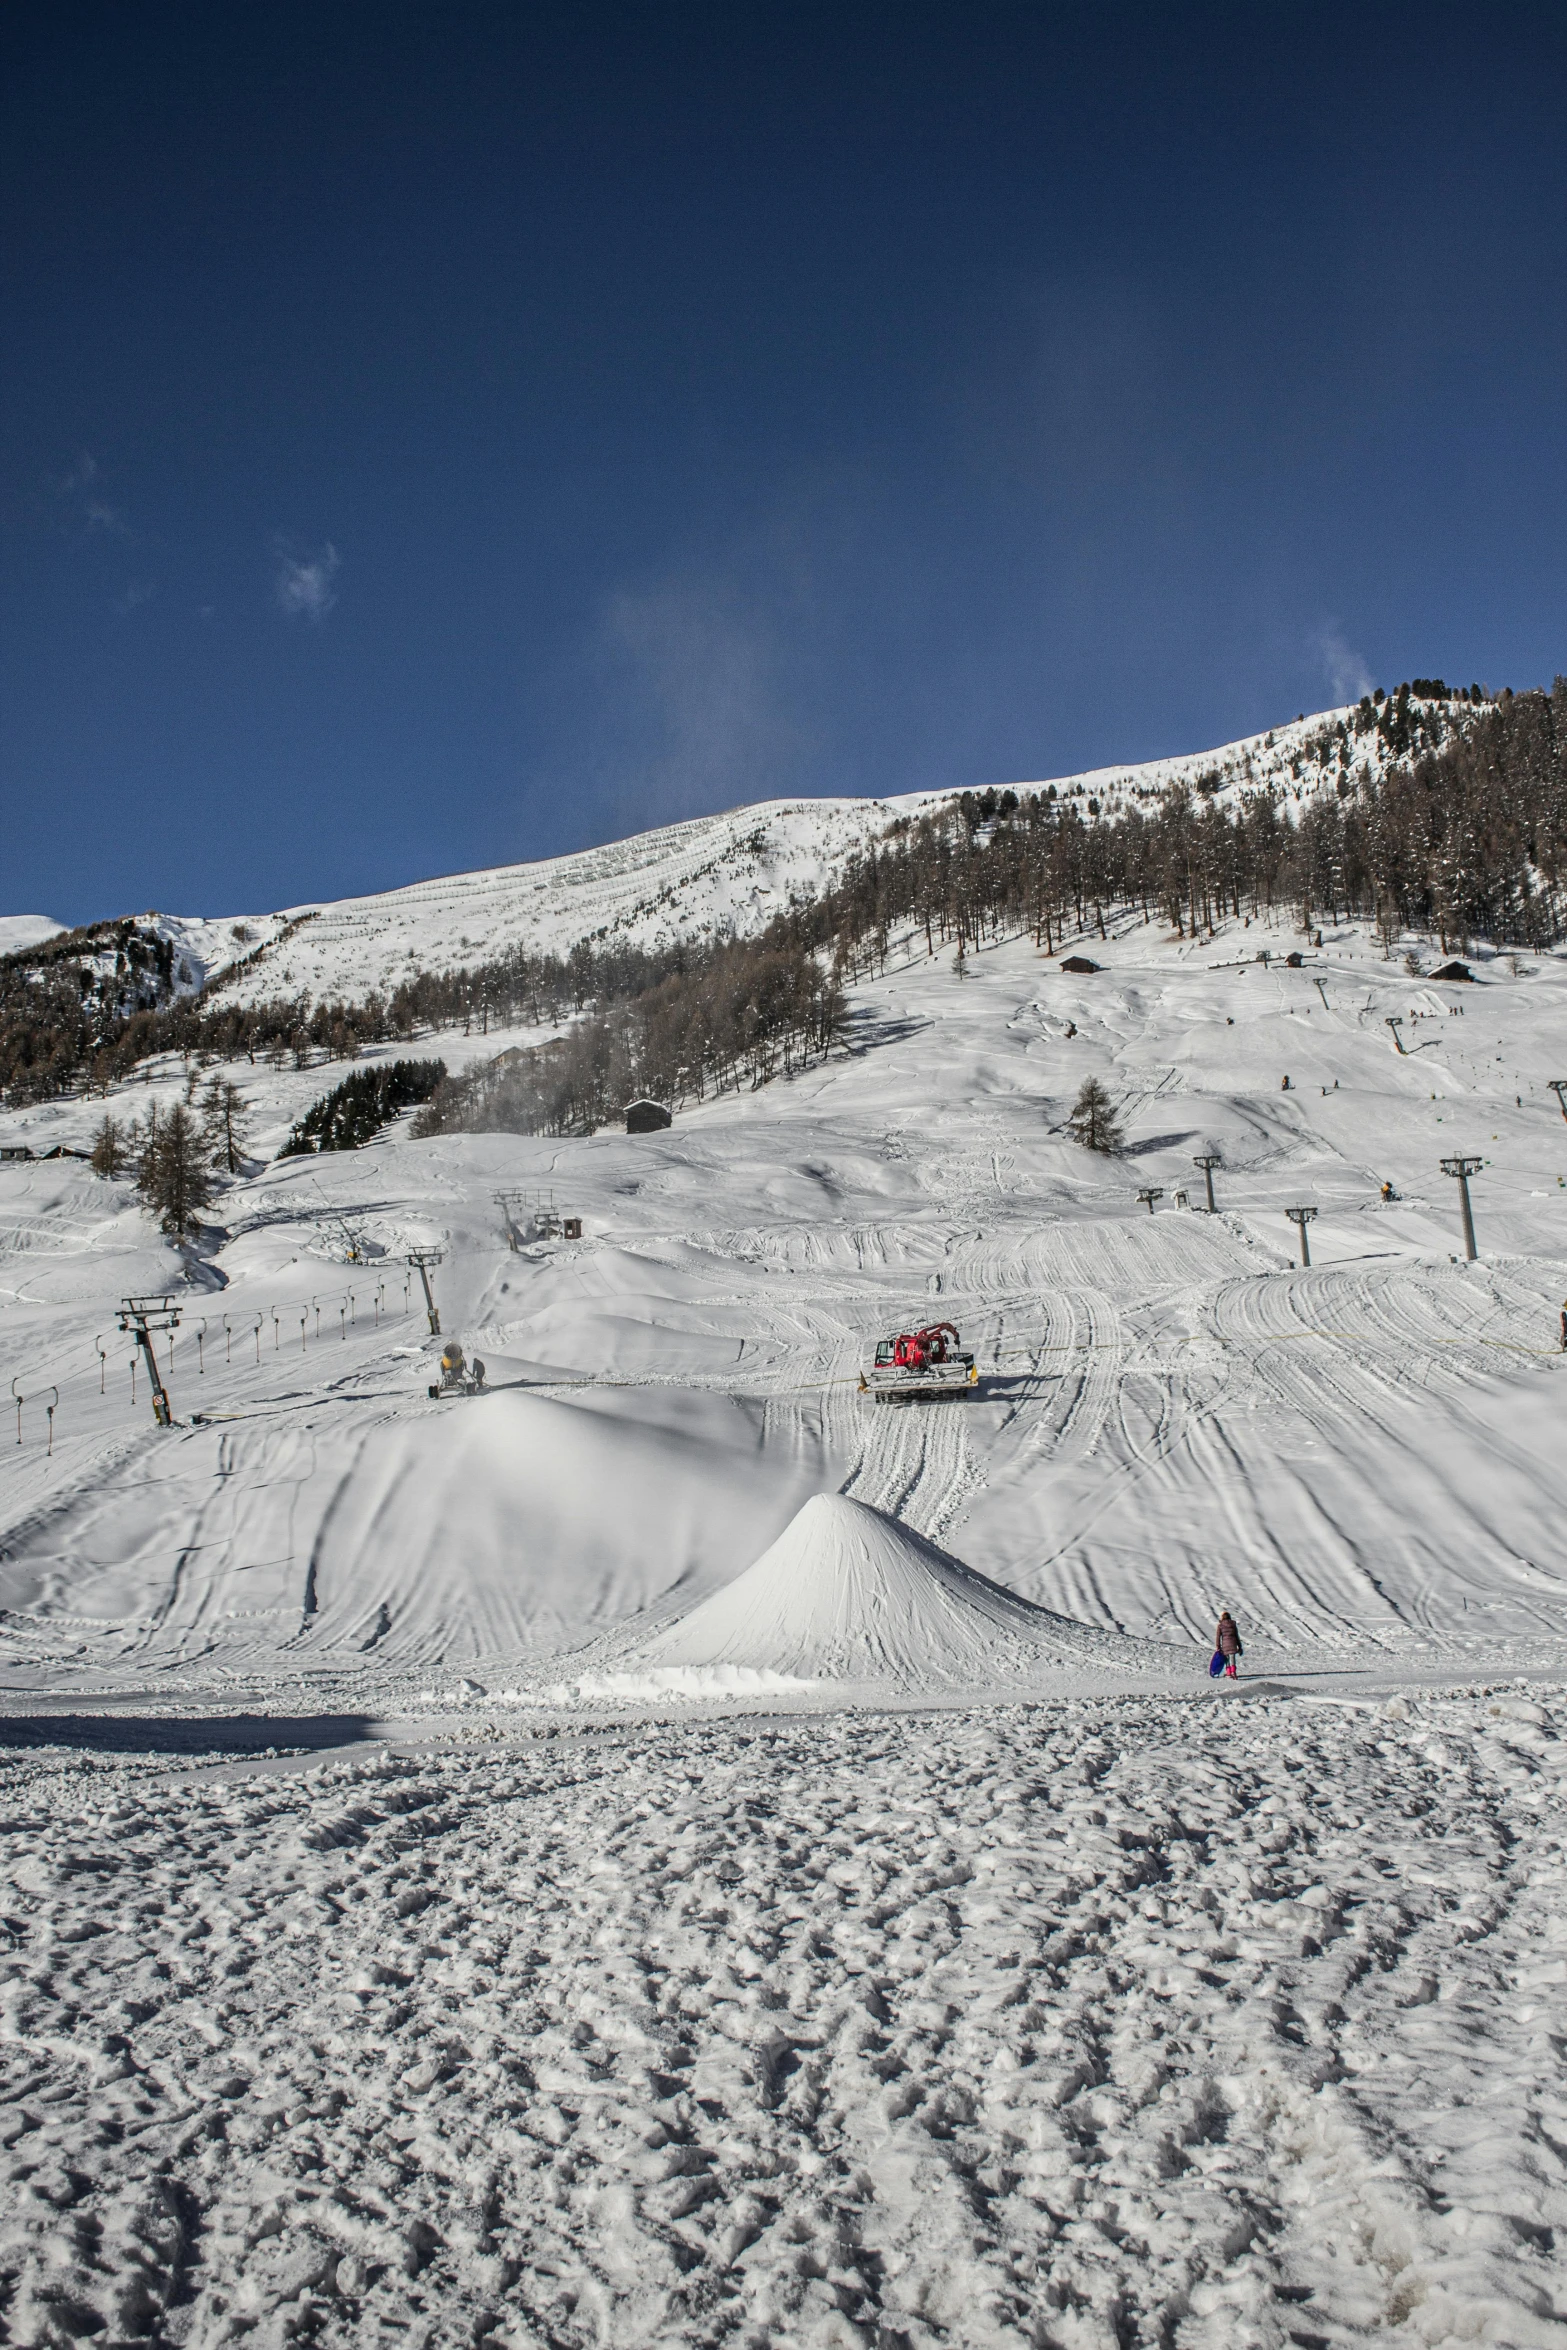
{"x":920,"y":1362}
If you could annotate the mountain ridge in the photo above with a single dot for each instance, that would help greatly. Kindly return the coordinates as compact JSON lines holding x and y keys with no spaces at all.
{"x":627,"y":889}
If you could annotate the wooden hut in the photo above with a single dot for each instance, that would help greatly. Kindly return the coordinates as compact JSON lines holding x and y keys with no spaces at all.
{"x":647,"y":1117}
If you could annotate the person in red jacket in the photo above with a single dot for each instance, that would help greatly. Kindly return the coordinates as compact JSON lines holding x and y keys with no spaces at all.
{"x":1227,"y":1641}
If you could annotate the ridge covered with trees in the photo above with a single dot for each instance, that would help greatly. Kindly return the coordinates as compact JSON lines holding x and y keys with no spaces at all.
{"x":1470,"y":840}
{"x":731,"y":1014}
{"x":1463,"y":835}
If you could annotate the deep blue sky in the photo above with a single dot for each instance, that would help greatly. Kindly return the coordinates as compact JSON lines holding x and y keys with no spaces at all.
{"x":438,"y":435}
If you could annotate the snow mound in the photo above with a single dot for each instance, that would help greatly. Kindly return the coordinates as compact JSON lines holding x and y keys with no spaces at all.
{"x":846,"y":1594}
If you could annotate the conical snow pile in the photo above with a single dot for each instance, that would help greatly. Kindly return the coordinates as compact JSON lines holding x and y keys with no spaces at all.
{"x":845,"y":1594}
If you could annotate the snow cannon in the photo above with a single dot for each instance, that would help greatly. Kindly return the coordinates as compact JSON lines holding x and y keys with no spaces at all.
{"x":458,"y":1375}
{"x":930,"y":1361}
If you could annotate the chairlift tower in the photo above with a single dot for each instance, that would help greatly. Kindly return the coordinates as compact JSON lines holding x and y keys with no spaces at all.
{"x":506,"y":1201}
{"x":139,"y":1318}
{"x":1461,"y":1169}
{"x":1302,"y":1217}
{"x":1150,"y":1194}
{"x":1207,"y":1161}
{"x":1558,"y":1086}
{"x":1394,"y":1020}
{"x":423,"y":1261}
{"x":351,"y":1249}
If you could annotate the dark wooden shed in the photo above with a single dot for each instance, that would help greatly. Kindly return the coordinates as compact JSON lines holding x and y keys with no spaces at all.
{"x":1454,"y":971}
{"x":647,"y":1117}
{"x":1079,"y":963}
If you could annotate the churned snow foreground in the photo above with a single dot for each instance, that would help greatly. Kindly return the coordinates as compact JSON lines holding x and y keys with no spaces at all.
{"x":1222,"y":2022}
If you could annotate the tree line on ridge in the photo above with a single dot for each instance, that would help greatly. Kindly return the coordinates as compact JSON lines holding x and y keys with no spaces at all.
{"x":1462,"y":836}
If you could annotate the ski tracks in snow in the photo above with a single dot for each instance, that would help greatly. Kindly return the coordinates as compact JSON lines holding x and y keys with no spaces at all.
{"x":1187,"y":2023}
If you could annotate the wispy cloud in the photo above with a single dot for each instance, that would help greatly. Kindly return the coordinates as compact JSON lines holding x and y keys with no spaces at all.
{"x":81,"y":485}
{"x":139,"y":592}
{"x":1345,"y":670}
{"x":304,"y":580}
{"x":689,"y":673}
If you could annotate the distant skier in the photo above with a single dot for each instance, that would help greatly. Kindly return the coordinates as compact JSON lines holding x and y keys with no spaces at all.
{"x":1226,"y":1646}
{"x":1564,"y":1325}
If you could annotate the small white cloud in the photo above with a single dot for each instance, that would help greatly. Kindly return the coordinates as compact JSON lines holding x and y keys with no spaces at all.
{"x":1346,"y":672}
{"x":91,"y":507}
{"x":140,"y":591}
{"x":304,"y":581}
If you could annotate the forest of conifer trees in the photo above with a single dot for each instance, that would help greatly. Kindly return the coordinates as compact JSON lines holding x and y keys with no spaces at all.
{"x":1468,"y":841}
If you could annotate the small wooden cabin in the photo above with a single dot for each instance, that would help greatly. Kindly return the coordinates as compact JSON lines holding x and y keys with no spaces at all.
{"x":647,"y":1117}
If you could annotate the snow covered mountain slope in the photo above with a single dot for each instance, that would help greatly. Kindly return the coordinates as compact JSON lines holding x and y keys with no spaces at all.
{"x":715,"y":873}
{"x":25,"y":930}
{"x":685,"y":880}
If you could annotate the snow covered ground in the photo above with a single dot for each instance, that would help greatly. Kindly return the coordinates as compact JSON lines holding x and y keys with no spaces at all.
{"x":699,"y":1910}
{"x":1361,"y":1458}
{"x":1182,"y":2021}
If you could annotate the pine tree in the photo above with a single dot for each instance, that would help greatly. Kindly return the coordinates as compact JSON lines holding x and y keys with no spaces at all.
{"x":110,"y":1150}
{"x":1093,"y":1121}
{"x":143,"y":1140}
{"x":225,"y":1124}
{"x":174,"y":1173}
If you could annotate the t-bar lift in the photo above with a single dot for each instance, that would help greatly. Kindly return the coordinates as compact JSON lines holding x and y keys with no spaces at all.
{"x":139,"y":1317}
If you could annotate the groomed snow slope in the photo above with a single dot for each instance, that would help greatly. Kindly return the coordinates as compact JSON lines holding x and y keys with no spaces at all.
{"x":847,"y":1594}
{"x":1360,"y":1458}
